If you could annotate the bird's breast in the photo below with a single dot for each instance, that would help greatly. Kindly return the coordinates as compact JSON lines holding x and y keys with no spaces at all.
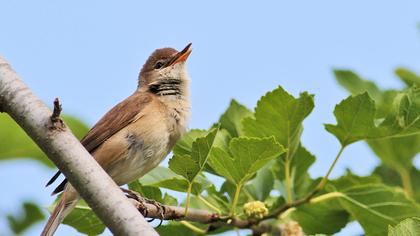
{"x":147,"y":141}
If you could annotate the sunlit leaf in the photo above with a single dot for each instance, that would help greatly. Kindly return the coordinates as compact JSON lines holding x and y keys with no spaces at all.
{"x":190,"y":165}
{"x":407,"y":227}
{"x":231,"y":120}
{"x":408,"y":77}
{"x":279,"y":114}
{"x":245,"y":157}
{"x":354,"y":119}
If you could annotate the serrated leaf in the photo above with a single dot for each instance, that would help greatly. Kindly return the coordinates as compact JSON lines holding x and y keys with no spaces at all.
{"x":231,"y":120}
{"x":31,"y":214}
{"x":354,"y":117}
{"x":279,"y":114}
{"x":246,"y":156}
{"x":189,"y":166}
{"x":407,"y":227}
{"x":376,"y":206}
{"x":408,"y":77}
{"x":356,"y":85}
{"x":185,"y":166}
{"x":17,"y":144}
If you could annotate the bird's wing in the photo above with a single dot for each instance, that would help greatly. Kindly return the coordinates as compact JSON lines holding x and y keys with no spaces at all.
{"x":113,"y":121}
{"x":117,"y":118}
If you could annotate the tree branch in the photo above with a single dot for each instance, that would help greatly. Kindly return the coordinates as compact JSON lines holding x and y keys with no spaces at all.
{"x":214,"y":220}
{"x":83,"y":172}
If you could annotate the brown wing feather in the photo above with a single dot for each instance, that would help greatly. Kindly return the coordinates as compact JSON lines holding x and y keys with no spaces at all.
{"x":113,"y":121}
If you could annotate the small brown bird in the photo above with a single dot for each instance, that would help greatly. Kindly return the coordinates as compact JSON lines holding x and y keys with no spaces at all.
{"x":138,"y":133}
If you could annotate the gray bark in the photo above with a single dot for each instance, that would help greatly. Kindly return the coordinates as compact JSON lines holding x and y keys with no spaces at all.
{"x":84,"y":173}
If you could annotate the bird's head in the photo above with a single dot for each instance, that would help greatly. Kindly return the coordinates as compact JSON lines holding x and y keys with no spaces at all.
{"x":165,"y":64}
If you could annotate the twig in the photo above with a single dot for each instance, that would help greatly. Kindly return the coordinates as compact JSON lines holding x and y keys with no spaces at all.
{"x":56,"y":122}
{"x":196,"y":215}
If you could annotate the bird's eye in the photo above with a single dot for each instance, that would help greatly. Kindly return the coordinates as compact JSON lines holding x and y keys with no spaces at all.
{"x":158,"y":65}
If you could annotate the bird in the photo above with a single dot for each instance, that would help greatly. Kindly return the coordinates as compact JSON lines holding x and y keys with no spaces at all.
{"x":138,"y":133}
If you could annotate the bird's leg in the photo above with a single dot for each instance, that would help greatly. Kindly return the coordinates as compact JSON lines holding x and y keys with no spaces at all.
{"x":142,"y":200}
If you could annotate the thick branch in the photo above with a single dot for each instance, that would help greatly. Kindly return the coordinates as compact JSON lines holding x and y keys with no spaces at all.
{"x":83,"y":172}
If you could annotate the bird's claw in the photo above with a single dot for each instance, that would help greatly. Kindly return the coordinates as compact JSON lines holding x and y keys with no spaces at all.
{"x":142,"y":207}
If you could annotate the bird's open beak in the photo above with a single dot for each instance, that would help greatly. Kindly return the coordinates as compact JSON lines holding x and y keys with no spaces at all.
{"x":181,"y":56}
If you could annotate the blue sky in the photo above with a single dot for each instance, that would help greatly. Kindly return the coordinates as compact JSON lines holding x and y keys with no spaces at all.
{"x":89,"y":53}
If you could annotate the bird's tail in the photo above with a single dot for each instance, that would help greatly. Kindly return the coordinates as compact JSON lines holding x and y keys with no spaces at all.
{"x":62,"y":209}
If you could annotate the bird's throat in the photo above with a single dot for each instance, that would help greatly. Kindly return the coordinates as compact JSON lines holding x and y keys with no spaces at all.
{"x":168,"y":87}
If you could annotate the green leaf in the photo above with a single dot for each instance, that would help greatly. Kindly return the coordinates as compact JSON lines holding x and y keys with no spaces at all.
{"x":184,"y":145}
{"x":17,"y":144}
{"x":408,"y":77}
{"x":175,"y":229}
{"x":354,"y":117}
{"x":404,"y":118}
{"x":169,"y":200}
{"x":261,"y":186}
{"x":231,"y":120}
{"x":185,"y":166}
{"x":84,"y":220}
{"x":376,"y":206}
{"x":189,"y":166}
{"x":165,"y":178}
{"x":300,"y":163}
{"x":150,"y":192}
{"x":398,"y":152}
{"x":246,"y":157}
{"x":279,"y":114}
{"x":312,"y":218}
{"x":350,"y":179}
{"x":356,"y":85}
{"x":407,"y":227}
{"x":391,"y":177}
{"x":31,"y":214}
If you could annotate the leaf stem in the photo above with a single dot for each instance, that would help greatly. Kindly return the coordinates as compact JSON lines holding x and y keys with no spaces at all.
{"x":324,"y":180}
{"x":326,"y":196}
{"x":406,"y":181}
{"x":207,"y":203}
{"x":193,"y":227}
{"x":187,"y":202}
{"x":235,"y":199}
{"x":288,"y":181}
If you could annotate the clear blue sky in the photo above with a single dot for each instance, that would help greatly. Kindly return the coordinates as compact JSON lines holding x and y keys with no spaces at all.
{"x":89,"y":53}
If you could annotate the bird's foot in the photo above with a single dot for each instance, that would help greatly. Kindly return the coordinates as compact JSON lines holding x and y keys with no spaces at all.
{"x":142,"y":201}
